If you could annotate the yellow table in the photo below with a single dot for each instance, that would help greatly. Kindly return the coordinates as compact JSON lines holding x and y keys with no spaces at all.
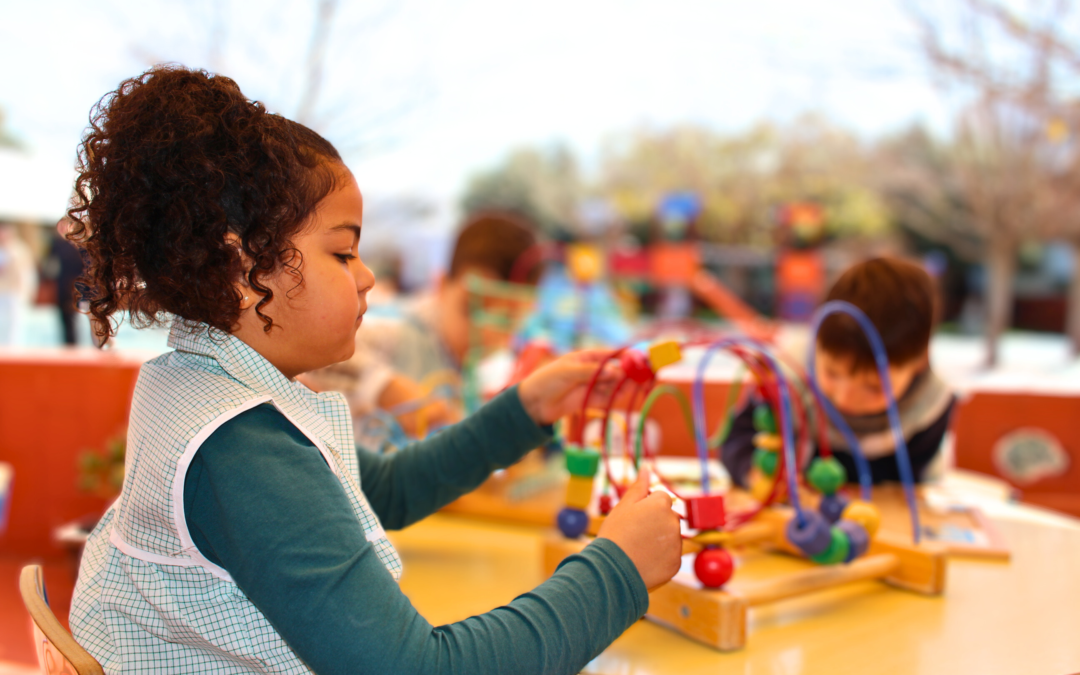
{"x":1016,"y":617}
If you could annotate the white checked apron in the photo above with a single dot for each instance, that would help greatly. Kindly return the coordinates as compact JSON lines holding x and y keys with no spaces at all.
{"x":146,"y":599}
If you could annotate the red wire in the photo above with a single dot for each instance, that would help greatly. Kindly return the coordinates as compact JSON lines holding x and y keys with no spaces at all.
{"x":619,"y":489}
{"x":588,"y":392}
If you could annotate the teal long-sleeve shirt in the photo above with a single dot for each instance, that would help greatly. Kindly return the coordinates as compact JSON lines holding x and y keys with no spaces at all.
{"x":261,"y":502}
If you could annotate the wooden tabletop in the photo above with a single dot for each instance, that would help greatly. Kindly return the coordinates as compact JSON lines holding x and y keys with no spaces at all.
{"x":1022,"y":616}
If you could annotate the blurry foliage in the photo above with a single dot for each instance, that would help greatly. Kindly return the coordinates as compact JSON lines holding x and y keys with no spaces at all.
{"x":741,"y":179}
{"x":102,"y":471}
{"x":540,"y":184}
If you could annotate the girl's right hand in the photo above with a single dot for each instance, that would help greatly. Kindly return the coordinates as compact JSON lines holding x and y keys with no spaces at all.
{"x":646,"y":528}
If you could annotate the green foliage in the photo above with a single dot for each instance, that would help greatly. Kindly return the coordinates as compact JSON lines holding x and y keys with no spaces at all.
{"x":102,"y":471}
{"x":542,"y":185}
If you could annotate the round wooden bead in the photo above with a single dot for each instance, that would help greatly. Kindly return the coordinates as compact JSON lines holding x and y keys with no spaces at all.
{"x":858,"y":539}
{"x":837,"y":550}
{"x":812,"y":537}
{"x":764,"y":420}
{"x":865,"y":514}
{"x":832,"y":507}
{"x":604,"y":504}
{"x":713,"y":567}
{"x":766,"y":441}
{"x":826,"y":475}
{"x":760,"y":485}
{"x":766,"y":461}
{"x":573,"y":522}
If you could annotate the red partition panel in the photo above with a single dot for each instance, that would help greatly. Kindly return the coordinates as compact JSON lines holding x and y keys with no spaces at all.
{"x":1030,"y":440}
{"x":55,"y":405}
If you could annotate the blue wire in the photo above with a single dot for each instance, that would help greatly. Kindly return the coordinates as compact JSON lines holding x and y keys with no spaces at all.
{"x":881,"y":359}
{"x":786,"y":430}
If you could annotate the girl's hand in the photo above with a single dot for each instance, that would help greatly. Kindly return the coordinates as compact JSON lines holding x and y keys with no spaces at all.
{"x":645,"y":527}
{"x":558,"y":388}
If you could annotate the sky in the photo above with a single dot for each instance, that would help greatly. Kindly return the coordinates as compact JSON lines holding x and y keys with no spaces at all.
{"x":420,"y":94}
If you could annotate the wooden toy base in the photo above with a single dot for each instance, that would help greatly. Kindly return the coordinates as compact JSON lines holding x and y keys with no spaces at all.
{"x":718,"y":618}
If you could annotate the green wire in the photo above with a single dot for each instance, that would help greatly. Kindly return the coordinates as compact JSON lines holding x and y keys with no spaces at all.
{"x":688,"y":417}
{"x":729,"y":416}
{"x":655,"y":394}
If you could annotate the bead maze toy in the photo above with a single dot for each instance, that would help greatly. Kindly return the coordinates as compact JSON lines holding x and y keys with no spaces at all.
{"x":840,"y":536}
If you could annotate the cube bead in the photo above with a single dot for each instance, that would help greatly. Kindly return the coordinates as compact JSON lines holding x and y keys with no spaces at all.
{"x":705,"y":512}
{"x":579,"y":492}
{"x":664,"y":354}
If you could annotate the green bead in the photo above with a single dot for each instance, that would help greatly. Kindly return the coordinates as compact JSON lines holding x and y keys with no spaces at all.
{"x":764,"y":420}
{"x":837,"y":551}
{"x":766,"y":461}
{"x":826,"y":475}
{"x":582,"y":461}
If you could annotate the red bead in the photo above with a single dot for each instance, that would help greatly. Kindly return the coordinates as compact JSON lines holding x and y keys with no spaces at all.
{"x":636,"y":366}
{"x":605,"y":504}
{"x":705,"y":512}
{"x":713,"y":567}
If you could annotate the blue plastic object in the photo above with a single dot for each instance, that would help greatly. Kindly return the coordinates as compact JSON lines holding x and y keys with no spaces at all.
{"x":832,"y":507}
{"x":857,"y":536}
{"x":573,"y":522}
{"x":812,"y":536}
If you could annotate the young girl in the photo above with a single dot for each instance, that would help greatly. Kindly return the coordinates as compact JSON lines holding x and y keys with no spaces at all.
{"x":249,"y":534}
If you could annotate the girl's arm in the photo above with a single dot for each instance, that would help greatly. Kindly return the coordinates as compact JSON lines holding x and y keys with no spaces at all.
{"x":261,"y":502}
{"x":418,"y":480}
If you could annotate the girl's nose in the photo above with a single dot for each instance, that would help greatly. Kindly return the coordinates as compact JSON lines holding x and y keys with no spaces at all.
{"x":365,"y":278}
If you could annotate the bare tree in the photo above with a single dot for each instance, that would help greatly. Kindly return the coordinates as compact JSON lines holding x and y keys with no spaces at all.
{"x":1010,"y":68}
{"x":330,"y":85}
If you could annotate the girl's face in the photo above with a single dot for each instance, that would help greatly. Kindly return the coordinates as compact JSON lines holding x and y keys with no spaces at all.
{"x":315,"y":320}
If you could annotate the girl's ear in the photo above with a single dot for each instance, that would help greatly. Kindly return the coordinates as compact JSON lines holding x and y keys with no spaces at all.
{"x":248,"y":297}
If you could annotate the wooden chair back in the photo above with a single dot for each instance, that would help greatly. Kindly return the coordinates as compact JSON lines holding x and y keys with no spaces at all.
{"x":57,"y":651}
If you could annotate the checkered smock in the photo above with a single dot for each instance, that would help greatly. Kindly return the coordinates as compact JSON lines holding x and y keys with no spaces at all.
{"x":146,"y":599}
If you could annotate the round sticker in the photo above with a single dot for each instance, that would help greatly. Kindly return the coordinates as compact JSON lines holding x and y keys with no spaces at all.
{"x":1030,"y":454}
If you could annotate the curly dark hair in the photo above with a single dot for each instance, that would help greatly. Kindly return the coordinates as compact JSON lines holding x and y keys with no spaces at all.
{"x":174,"y":160}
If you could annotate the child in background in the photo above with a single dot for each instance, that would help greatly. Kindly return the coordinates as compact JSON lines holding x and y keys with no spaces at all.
{"x":899,"y":299}
{"x":249,"y":533}
{"x":432,"y":335}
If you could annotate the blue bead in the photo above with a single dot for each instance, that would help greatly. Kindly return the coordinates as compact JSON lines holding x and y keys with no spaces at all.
{"x":832,"y":507}
{"x":857,"y":535}
{"x":813,"y":537}
{"x":573,"y":522}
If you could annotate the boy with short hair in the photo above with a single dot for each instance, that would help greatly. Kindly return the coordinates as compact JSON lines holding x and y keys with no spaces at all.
{"x":899,"y":299}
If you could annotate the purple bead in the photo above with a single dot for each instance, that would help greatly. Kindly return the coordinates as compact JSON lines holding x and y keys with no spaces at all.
{"x":813,"y":537}
{"x":573,"y":522}
{"x":857,"y":535}
{"x":832,"y":507}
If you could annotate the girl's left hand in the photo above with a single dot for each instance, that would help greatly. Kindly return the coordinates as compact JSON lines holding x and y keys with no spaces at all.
{"x":558,"y":388}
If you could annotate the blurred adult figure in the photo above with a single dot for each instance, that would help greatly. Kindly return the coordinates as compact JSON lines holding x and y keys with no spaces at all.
{"x":66,"y":264}
{"x":18,"y":284}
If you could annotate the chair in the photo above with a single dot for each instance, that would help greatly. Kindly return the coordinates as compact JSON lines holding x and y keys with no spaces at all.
{"x":57,"y":651}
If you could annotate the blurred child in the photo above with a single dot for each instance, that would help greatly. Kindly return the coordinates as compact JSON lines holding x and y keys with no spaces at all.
{"x":18,"y":284}
{"x":432,"y":335}
{"x":899,"y":299}
{"x":249,"y":533}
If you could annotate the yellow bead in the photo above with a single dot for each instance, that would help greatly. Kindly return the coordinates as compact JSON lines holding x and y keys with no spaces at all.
{"x":865,"y":514}
{"x":770,"y":442}
{"x":664,"y":354}
{"x":584,"y":262}
{"x":760,"y":485}
{"x":579,"y":492}
{"x":712,"y":538}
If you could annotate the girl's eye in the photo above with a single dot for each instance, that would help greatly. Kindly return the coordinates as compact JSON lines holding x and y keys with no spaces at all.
{"x":345,"y":257}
